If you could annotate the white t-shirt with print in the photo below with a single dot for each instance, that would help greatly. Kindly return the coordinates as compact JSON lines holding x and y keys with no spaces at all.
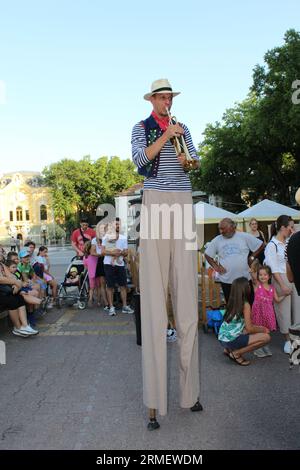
{"x":121,"y":244}
{"x":233,"y":254}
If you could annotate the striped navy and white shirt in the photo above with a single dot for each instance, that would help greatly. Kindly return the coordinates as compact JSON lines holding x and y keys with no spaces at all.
{"x":170,"y":176}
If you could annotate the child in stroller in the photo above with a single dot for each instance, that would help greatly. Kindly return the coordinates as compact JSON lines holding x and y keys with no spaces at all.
{"x":75,"y":286}
{"x":73,"y":279}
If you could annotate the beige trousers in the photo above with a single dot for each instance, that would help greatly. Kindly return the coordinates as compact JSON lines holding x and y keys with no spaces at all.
{"x":288,"y":310}
{"x":164,"y":260}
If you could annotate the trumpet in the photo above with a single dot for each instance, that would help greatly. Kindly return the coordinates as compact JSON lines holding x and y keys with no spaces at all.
{"x":181,"y":147}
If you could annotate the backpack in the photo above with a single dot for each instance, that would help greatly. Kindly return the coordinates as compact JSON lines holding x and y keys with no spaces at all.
{"x":214,"y":319}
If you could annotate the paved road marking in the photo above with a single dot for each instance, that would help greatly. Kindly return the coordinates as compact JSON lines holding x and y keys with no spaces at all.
{"x":67,"y":320}
{"x":91,"y":323}
{"x":89,"y":332}
{"x":100,"y":323}
{"x":63,"y":320}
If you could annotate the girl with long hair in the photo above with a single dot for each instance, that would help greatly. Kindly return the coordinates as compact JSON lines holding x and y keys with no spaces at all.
{"x":237,"y":333}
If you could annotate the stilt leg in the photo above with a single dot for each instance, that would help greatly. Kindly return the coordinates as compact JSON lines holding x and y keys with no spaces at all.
{"x":153,"y":424}
{"x":197,"y":406}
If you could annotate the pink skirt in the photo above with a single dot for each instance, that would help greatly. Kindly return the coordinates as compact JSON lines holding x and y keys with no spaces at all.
{"x":94,"y":282}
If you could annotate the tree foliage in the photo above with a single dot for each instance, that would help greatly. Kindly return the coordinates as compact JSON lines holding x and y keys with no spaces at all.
{"x":55,"y":232}
{"x":80,"y":186}
{"x":255,"y":151}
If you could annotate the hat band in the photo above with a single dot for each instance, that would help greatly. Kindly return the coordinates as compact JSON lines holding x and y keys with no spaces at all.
{"x":161,"y":89}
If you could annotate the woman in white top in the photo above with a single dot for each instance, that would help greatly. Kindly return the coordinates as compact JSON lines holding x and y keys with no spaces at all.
{"x":287,"y":311}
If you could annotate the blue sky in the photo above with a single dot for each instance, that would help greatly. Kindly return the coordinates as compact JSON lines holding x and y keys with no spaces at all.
{"x":73,"y":73}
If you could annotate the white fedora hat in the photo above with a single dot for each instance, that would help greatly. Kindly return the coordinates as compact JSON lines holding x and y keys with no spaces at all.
{"x":160,"y":86}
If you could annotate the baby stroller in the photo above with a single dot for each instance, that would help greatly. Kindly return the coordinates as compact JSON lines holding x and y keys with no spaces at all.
{"x":74,"y":293}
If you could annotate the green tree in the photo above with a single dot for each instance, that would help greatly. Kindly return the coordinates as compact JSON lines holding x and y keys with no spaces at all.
{"x":120,"y":175}
{"x":277,"y":117}
{"x":224,"y":169}
{"x":61,"y":177}
{"x":255,"y":151}
{"x":80,"y":186}
{"x":55,"y":232}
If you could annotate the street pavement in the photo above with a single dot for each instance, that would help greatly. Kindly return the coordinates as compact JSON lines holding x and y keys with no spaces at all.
{"x":78,"y":385}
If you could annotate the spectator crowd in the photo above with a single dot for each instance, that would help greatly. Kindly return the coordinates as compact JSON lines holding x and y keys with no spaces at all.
{"x":260,"y":283}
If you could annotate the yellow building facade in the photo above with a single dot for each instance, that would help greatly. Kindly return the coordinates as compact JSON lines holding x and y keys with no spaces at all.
{"x":25,"y":207}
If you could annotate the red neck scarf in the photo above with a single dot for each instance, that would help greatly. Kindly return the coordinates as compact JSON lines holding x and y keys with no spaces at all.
{"x":162,"y":122}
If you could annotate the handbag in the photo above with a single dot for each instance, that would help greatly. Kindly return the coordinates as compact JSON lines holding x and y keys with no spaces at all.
{"x":6,"y":289}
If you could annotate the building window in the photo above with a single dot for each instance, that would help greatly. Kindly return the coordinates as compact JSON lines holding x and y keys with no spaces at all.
{"x":19,"y":214}
{"x":27,"y":215}
{"x":11,"y":216}
{"x":43,"y":212}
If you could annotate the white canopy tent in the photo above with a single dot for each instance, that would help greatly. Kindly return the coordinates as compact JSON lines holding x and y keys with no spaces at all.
{"x":209,"y":214}
{"x":268,"y":211}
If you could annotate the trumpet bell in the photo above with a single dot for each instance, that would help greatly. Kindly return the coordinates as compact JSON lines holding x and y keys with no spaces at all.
{"x":189,"y":165}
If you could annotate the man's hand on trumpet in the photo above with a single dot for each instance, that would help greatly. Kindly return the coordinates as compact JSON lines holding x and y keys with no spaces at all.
{"x":174,"y":130}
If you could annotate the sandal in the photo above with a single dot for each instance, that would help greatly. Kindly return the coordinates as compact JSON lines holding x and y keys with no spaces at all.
{"x":240,"y":360}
